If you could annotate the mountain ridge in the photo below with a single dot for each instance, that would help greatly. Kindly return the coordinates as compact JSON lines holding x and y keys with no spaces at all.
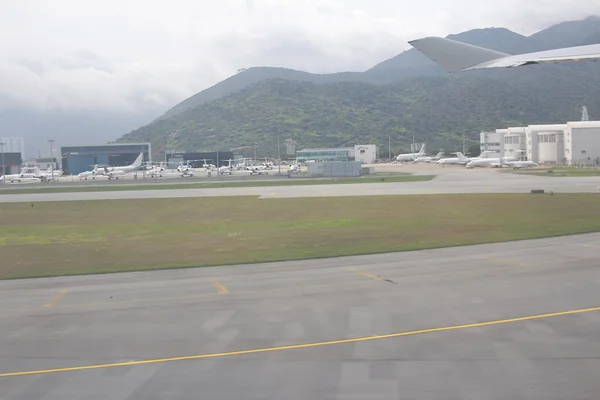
{"x":407,"y":64}
{"x":431,"y":103}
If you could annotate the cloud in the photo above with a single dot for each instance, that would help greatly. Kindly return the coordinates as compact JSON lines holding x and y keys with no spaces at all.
{"x":134,"y":55}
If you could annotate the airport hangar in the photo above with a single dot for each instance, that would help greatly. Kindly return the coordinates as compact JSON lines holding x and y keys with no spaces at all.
{"x":77,"y":159}
{"x":571,"y":144}
{"x":10,"y":163}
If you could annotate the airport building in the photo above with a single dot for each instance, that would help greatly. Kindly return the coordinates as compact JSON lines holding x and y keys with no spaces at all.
{"x":10,"y":163}
{"x":197,"y":159}
{"x":513,"y":144}
{"x":367,"y":154}
{"x":574,"y":143}
{"x":77,"y":159}
{"x":335,"y":169}
{"x":490,"y":141}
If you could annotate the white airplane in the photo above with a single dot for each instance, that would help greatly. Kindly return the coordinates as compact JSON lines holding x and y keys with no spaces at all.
{"x":428,"y":159}
{"x":226,"y":169}
{"x":11,"y":178}
{"x":456,"y":56}
{"x":50,"y":174}
{"x":136,"y":165}
{"x":461,"y":159}
{"x":90,"y":174}
{"x":112,"y":172}
{"x":185,"y":170}
{"x":116,"y":173}
{"x":155,"y":170}
{"x":495,"y":162}
{"x":520,"y":164}
{"x":411,"y":156}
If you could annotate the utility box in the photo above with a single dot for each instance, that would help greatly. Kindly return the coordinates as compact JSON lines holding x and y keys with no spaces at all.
{"x":335,"y":169}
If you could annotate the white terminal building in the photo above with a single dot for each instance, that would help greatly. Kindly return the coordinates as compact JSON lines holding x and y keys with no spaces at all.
{"x":367,"y":154}
{"x":573,"y":143}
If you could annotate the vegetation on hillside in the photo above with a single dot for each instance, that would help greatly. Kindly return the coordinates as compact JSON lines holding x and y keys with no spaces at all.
{"x":404,"y":96}
{"x":436,"y":110}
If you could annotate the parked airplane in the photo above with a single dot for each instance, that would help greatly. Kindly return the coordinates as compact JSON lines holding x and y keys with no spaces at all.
{"x":520,"y":164}
{"x":495,"y":162}
{"x":50,"y":174}
{"x":136,"y":165}
{"x":113,"y":172}
{"x":461,"y":159}
{"x":155,"y":170}
{"x":90,"y":174}
{"x":226,"y":169}
{"x":411,"y":156}
{"x":11,"y":178}
{"x":456,"y":56}
{"x":428,"y":159}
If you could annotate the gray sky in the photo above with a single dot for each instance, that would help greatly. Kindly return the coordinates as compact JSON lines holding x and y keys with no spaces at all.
{"x":139,"y":55}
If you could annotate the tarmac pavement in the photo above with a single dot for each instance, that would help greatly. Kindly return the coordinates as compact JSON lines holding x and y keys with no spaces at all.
{"x":497,"y":321}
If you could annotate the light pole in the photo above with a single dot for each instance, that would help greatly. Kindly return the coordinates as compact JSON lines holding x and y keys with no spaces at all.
{"x":278,"y":155}
{"x":51,"y":141}
{"x":3,"y":165}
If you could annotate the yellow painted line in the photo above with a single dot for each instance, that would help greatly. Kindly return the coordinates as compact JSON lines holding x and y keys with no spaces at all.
{"x":221,"y":289}
{"x":56,"y":299}
{"x":590,"y":245}
{"x":376,"y":277}
{"x":302,"y":346}
{"x":372,"y":279}
{"x":196,"y":296}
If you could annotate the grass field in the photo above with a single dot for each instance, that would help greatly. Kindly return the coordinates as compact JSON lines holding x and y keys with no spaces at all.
{"x":58,"y":238}
{"x":165,"y":185}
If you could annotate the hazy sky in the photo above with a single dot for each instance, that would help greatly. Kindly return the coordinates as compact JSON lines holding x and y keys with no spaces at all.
{"x":151,"y":54}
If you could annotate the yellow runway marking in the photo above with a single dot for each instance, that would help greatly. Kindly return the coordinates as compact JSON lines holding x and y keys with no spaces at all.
{"x":376,"y":277}
{"x":56,"y":299}
{"x":590,"y":245}
{"x":372,"y":279}
{"x":301,"y":346}
{"x":195,"y":296}
{"x":220,"y":287}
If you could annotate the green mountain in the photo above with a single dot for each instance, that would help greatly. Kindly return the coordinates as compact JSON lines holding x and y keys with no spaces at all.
{"x":342,"y":109}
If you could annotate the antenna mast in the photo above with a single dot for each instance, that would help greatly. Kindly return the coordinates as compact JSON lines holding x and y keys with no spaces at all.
{"x":584,"y":114}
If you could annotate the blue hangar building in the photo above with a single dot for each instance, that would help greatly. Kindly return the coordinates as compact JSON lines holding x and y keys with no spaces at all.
{"x":77,"y":159}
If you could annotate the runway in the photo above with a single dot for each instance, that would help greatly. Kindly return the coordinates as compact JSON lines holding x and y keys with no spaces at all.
{"x":496,"y":321}
{"x":451,"y":181}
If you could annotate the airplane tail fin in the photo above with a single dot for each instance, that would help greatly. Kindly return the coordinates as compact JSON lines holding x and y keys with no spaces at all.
{"x":138,"y":161}
{"x":454,"y":56}
{"x":439,"y":155}
{"x":461,"y":156}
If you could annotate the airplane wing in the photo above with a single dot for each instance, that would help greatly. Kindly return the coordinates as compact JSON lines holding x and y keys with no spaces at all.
{"x":456,"y":56}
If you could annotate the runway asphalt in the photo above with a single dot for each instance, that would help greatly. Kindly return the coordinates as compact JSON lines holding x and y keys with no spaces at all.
{"x":452,"y":180}
{"x":497,"y":321}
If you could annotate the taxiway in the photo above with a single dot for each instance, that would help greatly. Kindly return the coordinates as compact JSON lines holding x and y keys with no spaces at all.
{"x":496,"y":321}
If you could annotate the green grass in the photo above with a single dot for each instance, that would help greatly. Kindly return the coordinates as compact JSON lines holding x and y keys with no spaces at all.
{"x":61,"y":238}
{"x":162,"y":185}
